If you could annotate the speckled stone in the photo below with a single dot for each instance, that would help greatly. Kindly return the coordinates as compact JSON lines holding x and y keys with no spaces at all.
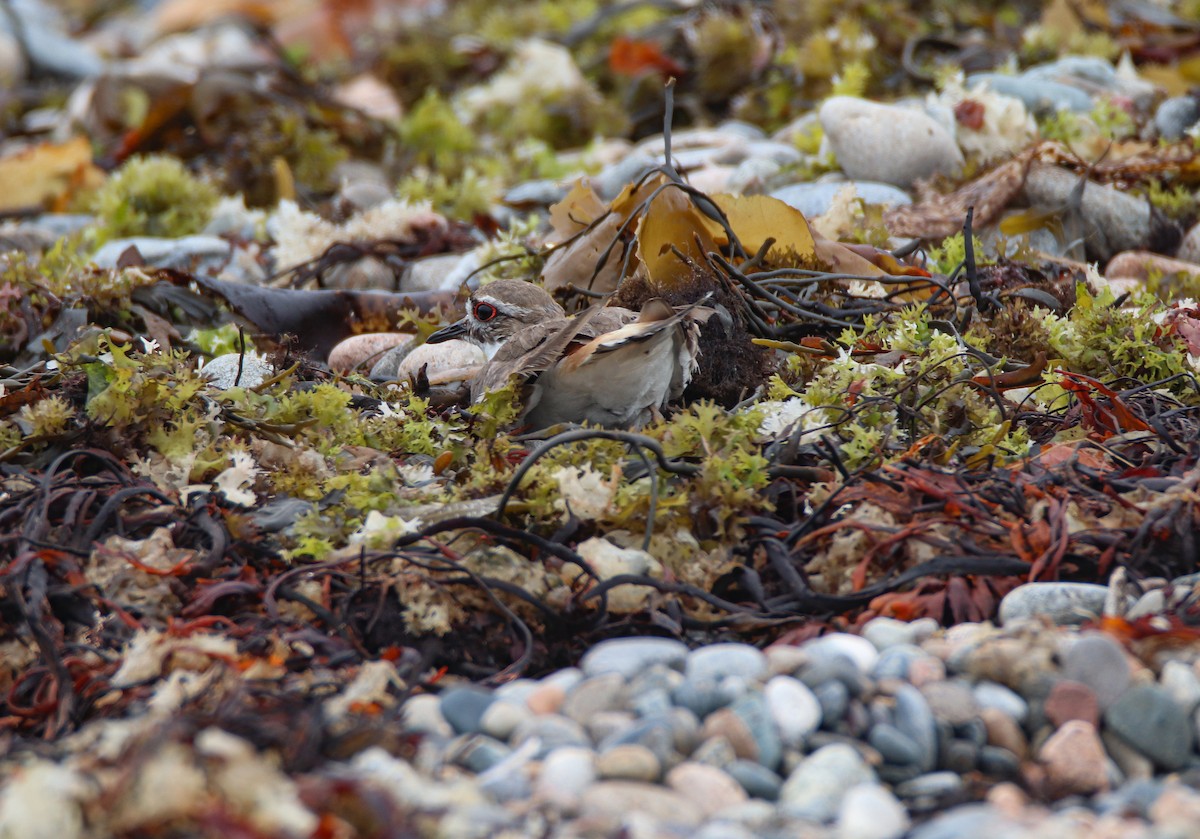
{"x":1062,"y":603}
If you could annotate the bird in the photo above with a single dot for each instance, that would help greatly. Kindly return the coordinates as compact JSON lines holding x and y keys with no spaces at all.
{"x":608,"y":365}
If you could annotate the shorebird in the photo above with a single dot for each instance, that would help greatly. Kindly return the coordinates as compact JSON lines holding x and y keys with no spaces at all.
{"x":609,"y":366}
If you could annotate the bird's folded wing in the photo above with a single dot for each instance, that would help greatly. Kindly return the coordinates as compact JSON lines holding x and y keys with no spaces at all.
{"x":533,"y":351}
{"x":657,"y":317}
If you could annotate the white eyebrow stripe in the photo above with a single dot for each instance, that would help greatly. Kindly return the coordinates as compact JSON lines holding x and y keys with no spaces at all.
{"x":507,"y":308}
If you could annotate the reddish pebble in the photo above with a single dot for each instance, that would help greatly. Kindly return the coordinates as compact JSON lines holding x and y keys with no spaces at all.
{"x":547,"y":699}
{"x":1070,"y":700}
{"x":1074,"y":761}
{"x":364,"y":350}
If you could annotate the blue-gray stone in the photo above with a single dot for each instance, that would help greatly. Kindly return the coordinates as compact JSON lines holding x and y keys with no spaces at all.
{"x":552,"y":732}
{"x":895,"y":662}
{"x":836,"y":668}
{"x":752,"y":709}
{"x":1088,"y":68}
{"x":655,"y":733}
{"x":543,"y":192}
{"x":931,"y":785}
{"x":999,"y":762}
{"x":1147,"y":718}
{"x":958,"y":756}
{"x":188,"y":252}
{"x":1175,"y":116}
{"x":895,"y":746}
{"x":914,"y":718}
{"x":814,"y":199}
{"x":464,"y":708}
{"x":701,"y":698}
{"x":478,"y":752}
{"x":609,"y":182}
{"x":651,"y":702}
{"x":630,"y":656}
{"x":978,"y":821}
{"x":834,"y":699}
{"x":1099,"y":662}
{"x":1000,"y":698}
{"x":815,"y":788}
{"x":1132,"y":800}
{"x":1038,"y":94}
{"x":1064,"y":603}
{"x":757,"y":780}
{"x":716,"y":661}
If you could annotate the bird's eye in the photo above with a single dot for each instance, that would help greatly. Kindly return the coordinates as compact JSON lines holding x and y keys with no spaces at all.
{"x":484,"y":311}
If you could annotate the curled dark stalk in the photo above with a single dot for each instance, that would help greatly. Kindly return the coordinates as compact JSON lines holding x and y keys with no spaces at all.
{"x":637,"y":441}
{"x":985,"y":303}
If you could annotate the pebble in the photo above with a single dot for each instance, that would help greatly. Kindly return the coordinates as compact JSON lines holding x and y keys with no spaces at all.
{"x":708,"y":788}
{"x":629,"y":656}
{"x":794,"y":708}
{"x":871,"y":811}
{"x":566,"y":773}
{"x":452,"y":360}
{"x":931,"y":785}
{"x":464,"y":708}
{"x":1139,"y":265}
{"x":1074,"y":760}
{"x":223,"y":371}
{"x":1063,"y":603}
{"x":815,"y":789}
{"x":914,"y":718}
{"x":717,"y":661}
{"x":423,"y":715}
{"x":630,"y":762}
{"x":364,"y":350}
{"x":756,"y":779}
{"x":1099,"y":662}
{"x":618,"y":801}
{"x":755,"y":715}
{"x":887,"y":143}
{"x":1069,"y":701}
{"x":200,"y":254}
{"x":1113,"y":220}
{"x":858,"y":650}
{"x":592,"y":696}
{"x":895,"y":746}
{"x":1003,"y":731}
{"x":1039,"y":95}
{"x":834,"y":699}
{"x":1180,"y":681}
{"x":815,"y":199}
{"x":951,"y":701}
{"x":1147,"y":718}
{"x":551,"y":733}
{"x":1175,"y":116}
{"x":502,"y":718}
{"x":1189,"y":247}
{"x":998,"y":697}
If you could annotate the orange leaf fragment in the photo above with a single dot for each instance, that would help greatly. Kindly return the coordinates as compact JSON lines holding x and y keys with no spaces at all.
{"x":630,"y":57}
{"x":47,"y":176}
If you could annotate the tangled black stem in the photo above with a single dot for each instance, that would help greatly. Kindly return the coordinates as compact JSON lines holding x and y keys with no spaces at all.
{"x":639,"y":442}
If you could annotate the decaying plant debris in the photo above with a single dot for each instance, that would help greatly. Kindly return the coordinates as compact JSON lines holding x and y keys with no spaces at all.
{"x":875,"y":430}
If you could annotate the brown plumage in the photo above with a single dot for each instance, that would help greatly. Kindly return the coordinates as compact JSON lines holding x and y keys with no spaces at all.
{"x":609,"y":366}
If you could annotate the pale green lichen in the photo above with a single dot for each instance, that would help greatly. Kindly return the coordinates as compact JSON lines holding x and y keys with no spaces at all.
{"x":154,"y":195}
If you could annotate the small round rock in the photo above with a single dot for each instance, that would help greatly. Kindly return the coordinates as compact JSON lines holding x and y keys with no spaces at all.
{"x":630,"y":656}
{"x":717,"y":661}
{"x":1065,"y":604}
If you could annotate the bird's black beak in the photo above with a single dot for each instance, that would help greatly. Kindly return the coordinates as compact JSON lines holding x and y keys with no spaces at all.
{"x":458,"y":329}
